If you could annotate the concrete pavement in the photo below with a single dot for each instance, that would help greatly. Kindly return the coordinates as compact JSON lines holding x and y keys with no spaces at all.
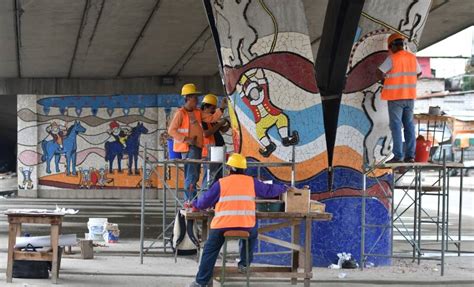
{"x":111,"y":267}
{"x":119,"y":265}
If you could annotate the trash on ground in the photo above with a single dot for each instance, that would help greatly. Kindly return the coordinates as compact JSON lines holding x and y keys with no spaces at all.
{"x":342,"y":275}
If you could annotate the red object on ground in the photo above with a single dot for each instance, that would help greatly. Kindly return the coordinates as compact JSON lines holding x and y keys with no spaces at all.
{"x":422,"y":153}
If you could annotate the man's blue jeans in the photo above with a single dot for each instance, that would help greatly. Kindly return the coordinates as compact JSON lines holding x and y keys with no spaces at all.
{"x":211,"y":252}
{"x":191,"y":172}
{"x":401,"y":114}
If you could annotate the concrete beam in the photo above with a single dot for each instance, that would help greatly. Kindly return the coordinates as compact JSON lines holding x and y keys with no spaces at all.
{"x":142,"y":85}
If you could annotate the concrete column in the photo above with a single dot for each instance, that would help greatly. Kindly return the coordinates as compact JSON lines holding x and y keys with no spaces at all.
{"x":268,"y":71}
{"x":27,"y":150}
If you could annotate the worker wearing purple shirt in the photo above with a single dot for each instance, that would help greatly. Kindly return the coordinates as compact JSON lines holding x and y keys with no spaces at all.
{"x":262,"y":190}
{"x":234,"y":199}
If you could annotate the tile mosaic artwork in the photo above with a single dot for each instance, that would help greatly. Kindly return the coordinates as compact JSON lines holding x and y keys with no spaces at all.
{"x":96,"y":142}
{"x":268,"y":72}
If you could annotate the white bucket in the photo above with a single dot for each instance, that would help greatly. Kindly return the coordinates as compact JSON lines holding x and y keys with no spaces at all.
{"x":96,"y":228}
{"x":217,"y":153}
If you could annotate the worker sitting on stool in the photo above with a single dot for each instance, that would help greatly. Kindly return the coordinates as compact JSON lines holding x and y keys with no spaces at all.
{"x":234,"y":200}
{"x":400,"y":72}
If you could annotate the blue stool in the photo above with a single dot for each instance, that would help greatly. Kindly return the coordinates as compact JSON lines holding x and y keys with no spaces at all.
{"x":236,"y":235}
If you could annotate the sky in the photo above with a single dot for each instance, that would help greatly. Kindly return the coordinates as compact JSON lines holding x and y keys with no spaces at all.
{"x":459,"y":44}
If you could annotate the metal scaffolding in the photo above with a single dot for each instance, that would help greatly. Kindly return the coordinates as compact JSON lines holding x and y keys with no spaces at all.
{"x":177,"y":201}
{"x":440,"y":189}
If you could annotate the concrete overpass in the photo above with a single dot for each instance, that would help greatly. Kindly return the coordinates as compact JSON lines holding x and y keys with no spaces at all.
{"x":100,"y":46}
{"x":134,"y":46}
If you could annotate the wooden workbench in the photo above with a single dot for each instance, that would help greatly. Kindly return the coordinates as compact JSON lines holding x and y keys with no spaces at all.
{"x":15,"y":220}
{"x":301,"y":254}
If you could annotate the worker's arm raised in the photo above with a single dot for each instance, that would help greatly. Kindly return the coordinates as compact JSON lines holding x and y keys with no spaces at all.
{"x":209,"y":198}
{"x":264,"y":190}
{"x":210,"y":131}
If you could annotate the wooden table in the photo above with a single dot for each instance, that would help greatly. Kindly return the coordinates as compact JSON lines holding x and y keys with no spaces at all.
{"x":301,"y":254}
{"x":15,"y":221}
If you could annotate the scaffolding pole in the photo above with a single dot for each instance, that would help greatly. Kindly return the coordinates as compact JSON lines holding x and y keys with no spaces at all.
{"x":178,"y":203}
{"x":442,"y":218}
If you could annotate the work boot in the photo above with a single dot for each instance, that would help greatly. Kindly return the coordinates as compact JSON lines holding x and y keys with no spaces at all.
{"x":268,"y":150}
{"x":409,"y":160}
{"x":242,"y":269}
{"x":292,"y":140}
{"x":394,"y":160}
{"x":195,"y":284}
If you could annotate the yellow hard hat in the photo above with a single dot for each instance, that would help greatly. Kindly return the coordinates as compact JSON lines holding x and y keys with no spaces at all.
{"x":210,"y":99}
{"x":189,"y":89}
{"x":237,"y":160}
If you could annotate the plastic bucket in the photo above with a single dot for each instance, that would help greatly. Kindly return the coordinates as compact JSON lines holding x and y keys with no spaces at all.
{"x":96,"y":228}
{"x":423,"y":147}
{"x":172,"y":154}
{"x":217,"y":153}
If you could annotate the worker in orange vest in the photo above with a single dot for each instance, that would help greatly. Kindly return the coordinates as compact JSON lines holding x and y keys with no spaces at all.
{"x":399,"y":73}
{"x":187,"y":133}
{"x":234,"y":199}
{"x":212,"y":135}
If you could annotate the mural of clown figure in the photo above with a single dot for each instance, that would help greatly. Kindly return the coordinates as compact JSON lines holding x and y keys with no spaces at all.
{"x":119,"y":133}
{"x":254,"y":91}
{"x":57,"y":132}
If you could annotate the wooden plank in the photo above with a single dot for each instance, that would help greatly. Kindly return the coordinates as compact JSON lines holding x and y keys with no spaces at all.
{"x":12,"y":229}
{"x":271,"y":227}
{"x":34,"y":220}
{"x":265,"y":275}
{"x":32,"y":255}
{"x":18,"y":230}
{"x":280,"y":242}
{"x":427,"y":188}
{"x":20,"y":214}
{"x":308,"y":264}
{"x":295,"y":256}
{"x":87,"y":249}
{"x":54,"y":245}
{"x":232,"y":269}
{"x":200,"y":215}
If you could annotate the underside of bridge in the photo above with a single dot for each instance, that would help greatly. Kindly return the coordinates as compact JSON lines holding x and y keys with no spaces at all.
{"x":97,"y":81}
{"x":135,"y":46}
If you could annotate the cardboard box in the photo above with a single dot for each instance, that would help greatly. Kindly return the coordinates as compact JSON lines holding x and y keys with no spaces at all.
{"x":297,"y":200}
{"x":317,"y":207}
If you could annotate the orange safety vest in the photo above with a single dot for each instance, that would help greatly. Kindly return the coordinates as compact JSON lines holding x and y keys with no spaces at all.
{"x":207,"y":142}
{"x":236,"y":205}
{"x":181,"y":146}
{"x":400,"y":81}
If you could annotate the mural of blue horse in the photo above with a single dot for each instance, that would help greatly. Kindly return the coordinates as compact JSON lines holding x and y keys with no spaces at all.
{"x":131,"y":147}
{"x":69,"y":149}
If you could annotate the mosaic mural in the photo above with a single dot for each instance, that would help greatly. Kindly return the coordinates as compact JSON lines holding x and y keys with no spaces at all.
{"x":90,"y":142}
{"x":268,"y":72}
{"x":363,"y":136}
{"x":269,"y":76}
{"x":267,"y":66}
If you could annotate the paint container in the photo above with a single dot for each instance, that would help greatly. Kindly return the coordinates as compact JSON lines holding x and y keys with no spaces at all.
{"x":172,"y":154}
{"x":96,"y":228}
{"x":423,"y":147}
{"x":217,"y":153}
